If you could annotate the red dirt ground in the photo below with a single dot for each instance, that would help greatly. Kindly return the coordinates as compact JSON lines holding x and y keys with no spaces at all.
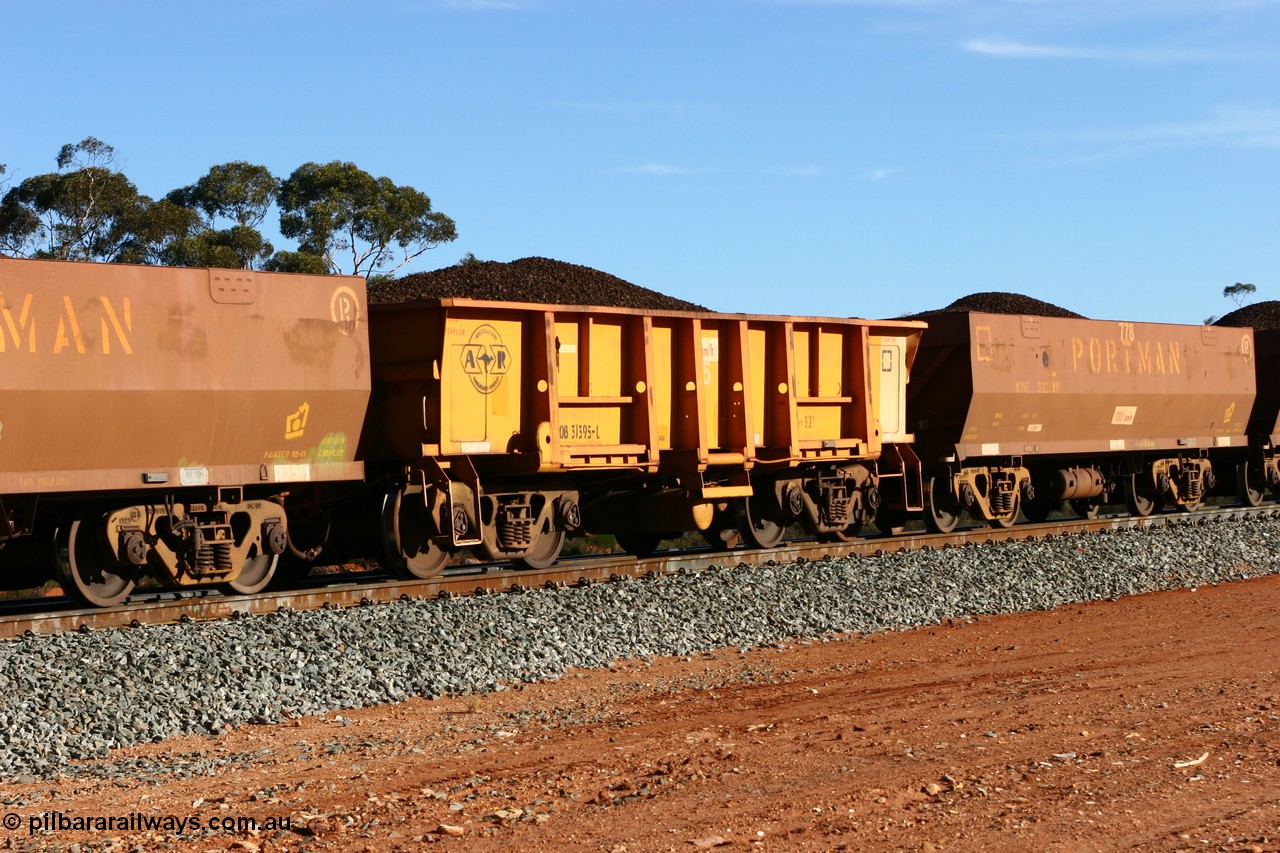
{"x":1150,"y":723}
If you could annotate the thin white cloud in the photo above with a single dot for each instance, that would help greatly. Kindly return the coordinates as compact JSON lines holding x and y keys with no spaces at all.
{"x":890,"y":4}
{"x":1236,"y":127}
{"x":665,"y":169}
{"x":470,"y":5}
{"x":800,"y":171}
{"x":632,"y":109}
{"x":1020,"y":50}
{"x":1091,"y":8}
{"x":881,"y":174}
{"x":655,"y":169}
{"x":1009,"y":49}
{"x":1226,"y":127}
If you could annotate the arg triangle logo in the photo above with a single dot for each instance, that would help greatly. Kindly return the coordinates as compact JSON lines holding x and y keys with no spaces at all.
{"x":485,"y":359}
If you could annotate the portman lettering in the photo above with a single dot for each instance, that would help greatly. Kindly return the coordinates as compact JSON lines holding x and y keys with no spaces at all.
{"x":1109,"y":355}
{"x":62,"y":328}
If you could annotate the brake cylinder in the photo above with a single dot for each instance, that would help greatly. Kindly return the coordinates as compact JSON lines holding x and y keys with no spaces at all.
{"x":1071,"y":484}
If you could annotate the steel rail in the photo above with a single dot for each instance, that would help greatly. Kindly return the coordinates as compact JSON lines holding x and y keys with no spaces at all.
{"x":47,"y":616}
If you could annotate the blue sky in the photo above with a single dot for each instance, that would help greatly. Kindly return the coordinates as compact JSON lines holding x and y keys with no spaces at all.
{"x":847,"y":157}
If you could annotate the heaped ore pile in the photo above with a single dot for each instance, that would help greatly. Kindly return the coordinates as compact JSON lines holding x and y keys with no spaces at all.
{"x":539,"y":280}
{"x":996,"y":302}
{"x":1260,"y":315}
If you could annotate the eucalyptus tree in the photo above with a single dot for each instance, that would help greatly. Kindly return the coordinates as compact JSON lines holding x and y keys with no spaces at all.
{"x":352,"y":222}
{"x":233,"y":200}
{"x":87,"y":210}
{"x":1239,"y":291}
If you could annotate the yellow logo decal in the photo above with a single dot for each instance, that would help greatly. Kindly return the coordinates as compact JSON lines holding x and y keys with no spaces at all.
{"x":485,"y":359}
{"x":296,"y":423}
{"x":982,"y":343}
{"x":344,"y":308}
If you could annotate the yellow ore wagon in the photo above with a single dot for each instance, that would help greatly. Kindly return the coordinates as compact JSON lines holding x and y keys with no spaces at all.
{"x":507,"y":426}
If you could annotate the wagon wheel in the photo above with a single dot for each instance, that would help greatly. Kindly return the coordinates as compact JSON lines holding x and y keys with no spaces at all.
{"x":757,"y":530}
{"x":639,"y":544}
{"x":941,"y":512}
{"x":1086,"y":507}
{"x":85,"y":565}
{"x":1250,"y":486}
{"x":255,"y":574}
{"x":407,"y":538}
{"x":1139,"y":500}
{"x":545,"y":550}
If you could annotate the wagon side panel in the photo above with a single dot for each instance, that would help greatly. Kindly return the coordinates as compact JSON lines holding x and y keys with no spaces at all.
{"x":122,"y":377}
{"x":1055,"y":385}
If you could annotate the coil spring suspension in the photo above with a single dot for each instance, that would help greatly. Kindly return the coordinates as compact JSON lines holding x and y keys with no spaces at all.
{"x":207,"y":543}
{"x":213,"y":558}
{"x":1190,"y":484}
{"x":515,"y":527}
{"x":1002,"y":497}
{"x":836,"y":506}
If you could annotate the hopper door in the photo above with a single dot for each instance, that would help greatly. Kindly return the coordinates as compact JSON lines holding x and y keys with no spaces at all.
{"x":481,"y":375}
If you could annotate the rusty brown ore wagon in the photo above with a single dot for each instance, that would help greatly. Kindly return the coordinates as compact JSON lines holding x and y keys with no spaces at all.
{"x":154,"y":421}
{"x":1023,"y":413}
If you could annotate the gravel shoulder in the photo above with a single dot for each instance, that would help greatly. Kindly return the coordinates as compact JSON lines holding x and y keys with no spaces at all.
{"x":929,"y":711}
{"x":1145,"y":723}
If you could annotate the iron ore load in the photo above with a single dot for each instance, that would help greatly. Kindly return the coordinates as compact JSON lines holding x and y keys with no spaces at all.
{"x":191,"y":427}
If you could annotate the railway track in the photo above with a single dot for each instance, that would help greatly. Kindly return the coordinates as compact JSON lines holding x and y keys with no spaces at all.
{"x":59,"y":614}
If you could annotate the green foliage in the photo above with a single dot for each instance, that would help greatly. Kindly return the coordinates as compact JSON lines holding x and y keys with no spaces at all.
{"x":152,"y":228}
{"x":19,"y":226}
{"x":87,"y":211}
{"x":1238,"y":291}
{"x":238,"y":247}
{"x":344,"y":218}
{"x":90,"y":152}
{"x":298,"y":262}
{"x":356,"y":222}
{"x":239,"y":193}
